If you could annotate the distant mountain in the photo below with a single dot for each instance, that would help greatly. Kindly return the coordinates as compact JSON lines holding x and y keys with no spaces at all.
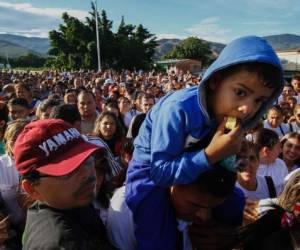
{"x":15,"y":46}
{"x":166,"y":45}
{"x":39,"y":46}
{"x":12,"y":50}
{"x":278,"y":42}
{"x":284,"y":41}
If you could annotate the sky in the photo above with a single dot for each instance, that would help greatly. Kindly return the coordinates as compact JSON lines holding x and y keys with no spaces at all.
{"x":212,"y":20}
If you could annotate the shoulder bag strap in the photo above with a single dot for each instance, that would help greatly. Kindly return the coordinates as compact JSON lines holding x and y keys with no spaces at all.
{"x":271,"y":187}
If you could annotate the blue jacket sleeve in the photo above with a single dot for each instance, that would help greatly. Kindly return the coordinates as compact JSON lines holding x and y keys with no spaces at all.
{"x":170,"y":164}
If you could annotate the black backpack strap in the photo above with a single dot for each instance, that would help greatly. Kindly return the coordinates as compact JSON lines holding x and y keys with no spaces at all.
{"x":271,"y":187}
{"x":291,"y":127}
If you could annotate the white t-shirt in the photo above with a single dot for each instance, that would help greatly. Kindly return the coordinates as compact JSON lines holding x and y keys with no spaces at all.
{"x":119,"y":222}
{"x":277,"y":170}
{"x":120,"y":225}
{"x":281,"y":130}
{"x":9,"y":186}
{"x":261,"y":192}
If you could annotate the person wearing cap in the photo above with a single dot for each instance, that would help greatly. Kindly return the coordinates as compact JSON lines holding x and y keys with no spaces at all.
{"x":57,"y":168}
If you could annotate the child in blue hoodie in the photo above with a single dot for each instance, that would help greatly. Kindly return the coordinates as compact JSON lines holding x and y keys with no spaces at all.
{"x":184,"y":134}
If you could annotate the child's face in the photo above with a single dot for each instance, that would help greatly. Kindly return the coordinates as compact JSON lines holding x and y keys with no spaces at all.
{"x":274,"y":152}
{"x":239,"y":95}
{"x":250,"y":163}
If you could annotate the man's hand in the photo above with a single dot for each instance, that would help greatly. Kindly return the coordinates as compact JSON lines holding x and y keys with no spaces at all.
{"x":250,"y":212}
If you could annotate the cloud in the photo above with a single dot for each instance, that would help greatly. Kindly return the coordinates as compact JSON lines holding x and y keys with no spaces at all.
{"x":169,"y":36}
{"x":52,"y":12}
{"x":210,"y":29}
{"x":25,"y":19}
{"x":263,"y":23}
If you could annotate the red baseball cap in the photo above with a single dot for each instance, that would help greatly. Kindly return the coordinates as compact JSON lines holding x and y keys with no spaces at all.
{"x":51,"y":147}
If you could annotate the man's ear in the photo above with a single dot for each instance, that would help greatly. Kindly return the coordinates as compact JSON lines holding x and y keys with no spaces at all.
{"x":31,"y":189}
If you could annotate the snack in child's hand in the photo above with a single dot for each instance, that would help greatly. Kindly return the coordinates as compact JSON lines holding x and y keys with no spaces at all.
{"x":230,"y":123}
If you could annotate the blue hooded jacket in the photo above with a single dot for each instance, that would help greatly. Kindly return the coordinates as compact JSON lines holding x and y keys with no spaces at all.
{"x":181,"y":118}
{"x":160,"y":157}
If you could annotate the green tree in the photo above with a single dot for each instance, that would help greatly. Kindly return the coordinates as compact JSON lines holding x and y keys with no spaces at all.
{"x":191,"y":48}
{"x":74,"y":45}
{"x":136,"y":46}
{"x":30,"y":60}
{"x":70,"y":44}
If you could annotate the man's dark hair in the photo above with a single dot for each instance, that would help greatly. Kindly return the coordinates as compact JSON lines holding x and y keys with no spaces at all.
{"x":86,"y":92}
{"x":296,"y":77}
{"x":265,"y":138}
{"x":218,"y":182}
{"x":148,"y":96}
{"x":66,"y":112}
{"x":276,"y":108}
{"x":48,"y":103}
{"x":18,"y":101}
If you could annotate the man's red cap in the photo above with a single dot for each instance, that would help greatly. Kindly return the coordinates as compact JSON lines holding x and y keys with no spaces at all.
{"x":51,"y":147}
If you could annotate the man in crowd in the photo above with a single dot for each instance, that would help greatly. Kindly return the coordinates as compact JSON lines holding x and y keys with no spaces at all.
{"x":147,"y":102}
{"x":189,"y":215}
{"x":296,"y":84}
{"x":57,"y":170}
{"x":18,"y":108}
{"x":87,"y":109}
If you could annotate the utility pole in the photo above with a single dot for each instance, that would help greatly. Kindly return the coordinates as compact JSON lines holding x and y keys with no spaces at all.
{"x":97,"y":37}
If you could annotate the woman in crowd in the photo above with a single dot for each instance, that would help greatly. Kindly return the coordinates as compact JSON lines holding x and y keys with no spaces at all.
{"x":291,"y":150}
{"x":124,"y":107}
{"x":112,"y":106}
{"x":70,"y":97}
{"x":9,"y":188}
{"x":295,"y":119}
{"x":3,"y":123}
{"x":108,"y":128}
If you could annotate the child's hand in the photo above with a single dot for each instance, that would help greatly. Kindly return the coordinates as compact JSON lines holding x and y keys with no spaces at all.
{"x":224,"y":144}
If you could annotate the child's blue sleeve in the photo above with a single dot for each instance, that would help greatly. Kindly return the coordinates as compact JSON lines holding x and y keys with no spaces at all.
{"x":170,"y":163}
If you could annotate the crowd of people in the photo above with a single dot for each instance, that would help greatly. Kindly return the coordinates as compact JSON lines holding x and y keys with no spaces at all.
{"x":143,"y":160}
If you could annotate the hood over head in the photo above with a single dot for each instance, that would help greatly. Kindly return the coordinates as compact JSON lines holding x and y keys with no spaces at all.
{"x":243,"y":50}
